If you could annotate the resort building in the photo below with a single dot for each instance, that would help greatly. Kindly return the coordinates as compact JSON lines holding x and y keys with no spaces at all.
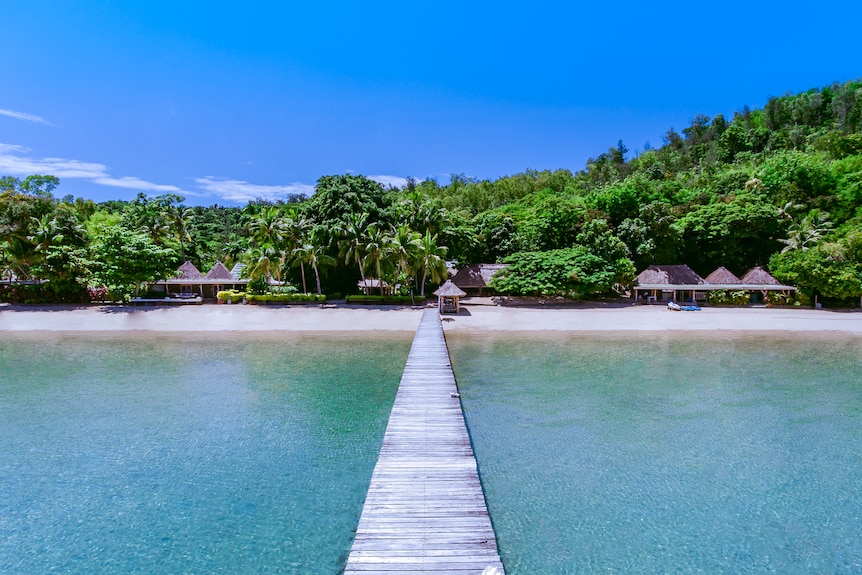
{"x":190,"y":282}
{"x":477,"y":277}
{"x":371,"y":286}
{"x":679,"y":283}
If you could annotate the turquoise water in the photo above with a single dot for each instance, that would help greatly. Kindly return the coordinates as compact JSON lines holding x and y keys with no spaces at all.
{"x":189,"y":454}
{"x":668,"y":455}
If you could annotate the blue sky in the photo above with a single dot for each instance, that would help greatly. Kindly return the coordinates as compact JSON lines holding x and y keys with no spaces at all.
{"x":223,"y":102}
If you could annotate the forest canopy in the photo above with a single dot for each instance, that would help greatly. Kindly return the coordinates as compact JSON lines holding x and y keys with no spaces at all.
{"x":779,"y":186}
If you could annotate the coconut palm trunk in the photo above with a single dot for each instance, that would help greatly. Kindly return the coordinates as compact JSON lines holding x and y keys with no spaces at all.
{"x":316,"y":278}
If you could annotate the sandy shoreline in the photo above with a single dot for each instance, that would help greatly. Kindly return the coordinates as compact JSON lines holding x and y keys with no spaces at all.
{"x":476,"y":318}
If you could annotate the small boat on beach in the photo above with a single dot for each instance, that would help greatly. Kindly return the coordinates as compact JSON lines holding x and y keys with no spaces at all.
{"x":673,"y":306}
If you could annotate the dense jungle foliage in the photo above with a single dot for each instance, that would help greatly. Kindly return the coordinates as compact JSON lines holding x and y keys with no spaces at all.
{"x":779,"y":187}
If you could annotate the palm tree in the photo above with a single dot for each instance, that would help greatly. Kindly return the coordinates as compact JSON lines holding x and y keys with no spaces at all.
{"x":404,"y":244}
{"x":352,"y":242}
{"x":264,"y":261}
{"x":46,"y":231}
{"x":179,"y":218}
{"x":429,"y":258}
{"x":807,"y":232}
{"x":147,"y":217}
{"x":419,"y":212}
{"x":376,"y":247}
{"x":266,"y":227}
{"x":311,"y":251}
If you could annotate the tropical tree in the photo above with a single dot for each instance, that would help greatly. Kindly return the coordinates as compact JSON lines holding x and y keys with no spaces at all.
{"x":124,"y":258}
{"x":267,"y":227}
{"x":179,"y":219}
{"x":264,"y":261}
{"x":377,"y":250}
{"x":311,"y":251}
{"x":403,"y":246}
{"x":148,"y":216}
{"x":807,"y":232}
{"x":429,"y":258}
{"x":352,"y":233}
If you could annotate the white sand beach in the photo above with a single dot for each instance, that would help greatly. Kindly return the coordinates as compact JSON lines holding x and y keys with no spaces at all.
{"x":225,"y":318}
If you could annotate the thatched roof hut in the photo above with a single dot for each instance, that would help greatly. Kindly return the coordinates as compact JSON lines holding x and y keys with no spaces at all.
{"x":477,"y":276}
{"x":669,"y":275}
{"x":448,"y":297}
{"x":759,"y":276}
{"x":449,"y":289}
{"x":219,"y":272}
{"x":188,"y":271}
{"x":722,"y":276}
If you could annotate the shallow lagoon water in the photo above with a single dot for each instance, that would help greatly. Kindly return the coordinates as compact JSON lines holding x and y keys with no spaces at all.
{"x":622,"y":454}
{"x":189,"y":454}
{"x":668,"y":454}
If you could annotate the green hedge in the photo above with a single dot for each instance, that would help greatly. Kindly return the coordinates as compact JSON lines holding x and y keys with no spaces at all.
{"x":385,"y":299}
{"x":233,"y":296}
{"x":286,"y":298}
{"x":48,"y":292}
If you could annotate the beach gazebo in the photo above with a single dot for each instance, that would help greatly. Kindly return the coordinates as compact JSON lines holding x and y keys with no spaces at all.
{"x":448,"y":297}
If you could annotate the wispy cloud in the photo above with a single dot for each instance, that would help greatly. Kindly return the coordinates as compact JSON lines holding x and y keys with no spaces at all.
{"x":240,"y":191}
{"x":396,"y":181}
{"x":16,"y":161}
{"x":25,"y":117}
{"x":137,"y":184}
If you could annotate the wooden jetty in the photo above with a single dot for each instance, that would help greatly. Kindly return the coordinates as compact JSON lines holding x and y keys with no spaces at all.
{"x":425,"y":510}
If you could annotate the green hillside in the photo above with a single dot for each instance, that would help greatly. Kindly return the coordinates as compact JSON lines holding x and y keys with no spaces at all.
{"x":779,"y":186}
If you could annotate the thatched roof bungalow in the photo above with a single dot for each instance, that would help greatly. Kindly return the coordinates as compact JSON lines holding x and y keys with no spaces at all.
{"x":676,"y":282}
{"x":477,"y":276}
{"x":680,"y":283}
{"x":219,"y":272}
{"x":448,"y":297}
{"x":722,"y":276}
{"x":759,"y":277}
{"x":188,"y":271}
{"x":189,"y":282}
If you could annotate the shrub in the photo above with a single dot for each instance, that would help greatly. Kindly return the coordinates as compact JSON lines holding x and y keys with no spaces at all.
{"x":728,"y":297}
{"x":778,"y":298}
{"x":384,"y":299}
{"x":286,"y":298}
{"x":233,"y":296}
{"x":48,"y":292}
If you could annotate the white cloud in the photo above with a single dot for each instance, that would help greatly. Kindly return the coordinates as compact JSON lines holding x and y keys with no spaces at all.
{"x":25,"y":117}
{"x":387,"y":181}
{"x":15,"y":161}
{"x":239,"y":191}
{"x":137,"y":184}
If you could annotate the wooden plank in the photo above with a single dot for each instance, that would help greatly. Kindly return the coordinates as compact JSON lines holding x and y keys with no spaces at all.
{"x":425,"y":510}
